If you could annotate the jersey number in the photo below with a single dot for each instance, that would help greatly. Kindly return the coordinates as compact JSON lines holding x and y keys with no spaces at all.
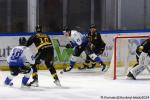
{"x":44,"y":40}
{"x":16,"y":54}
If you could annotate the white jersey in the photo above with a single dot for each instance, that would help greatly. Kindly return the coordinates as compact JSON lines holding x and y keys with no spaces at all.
{"x":77,"y":38}
{"x":20,"y":55}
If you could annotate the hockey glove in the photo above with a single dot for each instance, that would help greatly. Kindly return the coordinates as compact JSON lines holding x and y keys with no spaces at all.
{"x":68,"y":45}
{"x":27,"y":64}
{"x":101,"y":51}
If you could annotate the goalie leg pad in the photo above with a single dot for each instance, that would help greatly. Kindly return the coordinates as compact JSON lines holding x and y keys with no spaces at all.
{"x":137,"y":70}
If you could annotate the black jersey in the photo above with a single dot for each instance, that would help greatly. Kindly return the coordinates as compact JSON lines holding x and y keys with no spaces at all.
{"x":40,"y":40}
{"x":96,"y":40}
{"x":146,"y":45}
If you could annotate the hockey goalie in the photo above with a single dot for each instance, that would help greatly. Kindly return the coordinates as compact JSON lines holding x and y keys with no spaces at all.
{"x":143,"y":60}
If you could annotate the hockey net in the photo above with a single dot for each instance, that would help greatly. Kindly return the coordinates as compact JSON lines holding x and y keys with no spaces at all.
{"x":124,"y":55}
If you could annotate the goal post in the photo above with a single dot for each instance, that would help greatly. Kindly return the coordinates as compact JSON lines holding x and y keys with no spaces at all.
{"x":121,"y":57}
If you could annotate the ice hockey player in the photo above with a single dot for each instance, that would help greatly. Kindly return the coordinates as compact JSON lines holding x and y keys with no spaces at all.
{"x":20,"y":60}
{"x":45,"y":53}
{"x":97,"y":45}
{"x":143,"y":60}
{"x":80,"y":43}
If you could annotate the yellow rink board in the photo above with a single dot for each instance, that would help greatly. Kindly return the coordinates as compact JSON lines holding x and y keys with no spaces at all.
{"x":43,"y":67}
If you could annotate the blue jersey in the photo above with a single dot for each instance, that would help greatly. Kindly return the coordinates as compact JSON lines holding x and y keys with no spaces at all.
{"x":19,"y":56}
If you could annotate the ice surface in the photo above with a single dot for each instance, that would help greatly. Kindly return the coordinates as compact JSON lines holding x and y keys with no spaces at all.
{"x":76,"y":85}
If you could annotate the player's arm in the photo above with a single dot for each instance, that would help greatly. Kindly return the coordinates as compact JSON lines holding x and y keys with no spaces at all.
{"x":29,"y":56}
{"x":75,"y":40}
{"x":78,"y":38}
{"x":30,"y":41}
{"x":8,"y":58}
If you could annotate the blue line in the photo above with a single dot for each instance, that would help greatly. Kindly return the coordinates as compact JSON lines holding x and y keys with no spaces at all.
{"x":60,"y":33}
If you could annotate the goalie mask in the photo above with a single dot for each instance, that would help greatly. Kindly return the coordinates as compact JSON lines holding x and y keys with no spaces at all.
{"x":22,"y":41}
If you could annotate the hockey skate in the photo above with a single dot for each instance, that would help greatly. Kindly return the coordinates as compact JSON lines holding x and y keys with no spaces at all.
{"x":68,"y":69}
{"x":25,"y":85}
{"x":82,"y":67}
{"x":57,"y":82}
{"x":130,"y":76}
{"x":91,"y":67}
{"x":34,"y":83}
{"x":10,"y":84}
{"x":104,"y":68}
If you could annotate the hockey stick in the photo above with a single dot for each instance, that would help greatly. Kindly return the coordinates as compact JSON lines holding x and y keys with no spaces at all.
{"x":148,"y":69}
{"x":60,"y":45}
{"x":64,"y":65}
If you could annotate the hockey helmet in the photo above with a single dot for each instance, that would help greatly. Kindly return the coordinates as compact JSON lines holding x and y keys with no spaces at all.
{"x":66,"y":29}
{"x":38,"y":28}
{"x":93,"y":26}
{"x":22,"y":41}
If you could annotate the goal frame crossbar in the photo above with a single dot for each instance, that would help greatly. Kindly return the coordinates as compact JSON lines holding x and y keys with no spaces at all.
{"x":115,"y":49}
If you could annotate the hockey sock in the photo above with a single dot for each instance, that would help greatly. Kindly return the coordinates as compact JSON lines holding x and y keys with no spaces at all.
{"x":93,"y":63}
{"x":98,"y":60}
{"x":53,"y":73}
{"x":7,"y":81}
{"x":25,"y":80}
{"x":72,"y":63}
{"x":35,"y":75}
{"x":86,"y":63}
{"x":55,"y":76}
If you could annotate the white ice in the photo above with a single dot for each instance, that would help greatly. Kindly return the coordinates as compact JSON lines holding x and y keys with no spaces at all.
{"x":77,"y":85}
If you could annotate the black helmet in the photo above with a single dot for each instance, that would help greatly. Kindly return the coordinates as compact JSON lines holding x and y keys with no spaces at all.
{"x":66,"y":29}
{"x":22,"y":41}
{"x":38,"y":28}
{"x":93,"y":26}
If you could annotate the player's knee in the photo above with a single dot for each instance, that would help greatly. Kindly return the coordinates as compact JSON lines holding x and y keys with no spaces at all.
{"x":49,"y":64}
